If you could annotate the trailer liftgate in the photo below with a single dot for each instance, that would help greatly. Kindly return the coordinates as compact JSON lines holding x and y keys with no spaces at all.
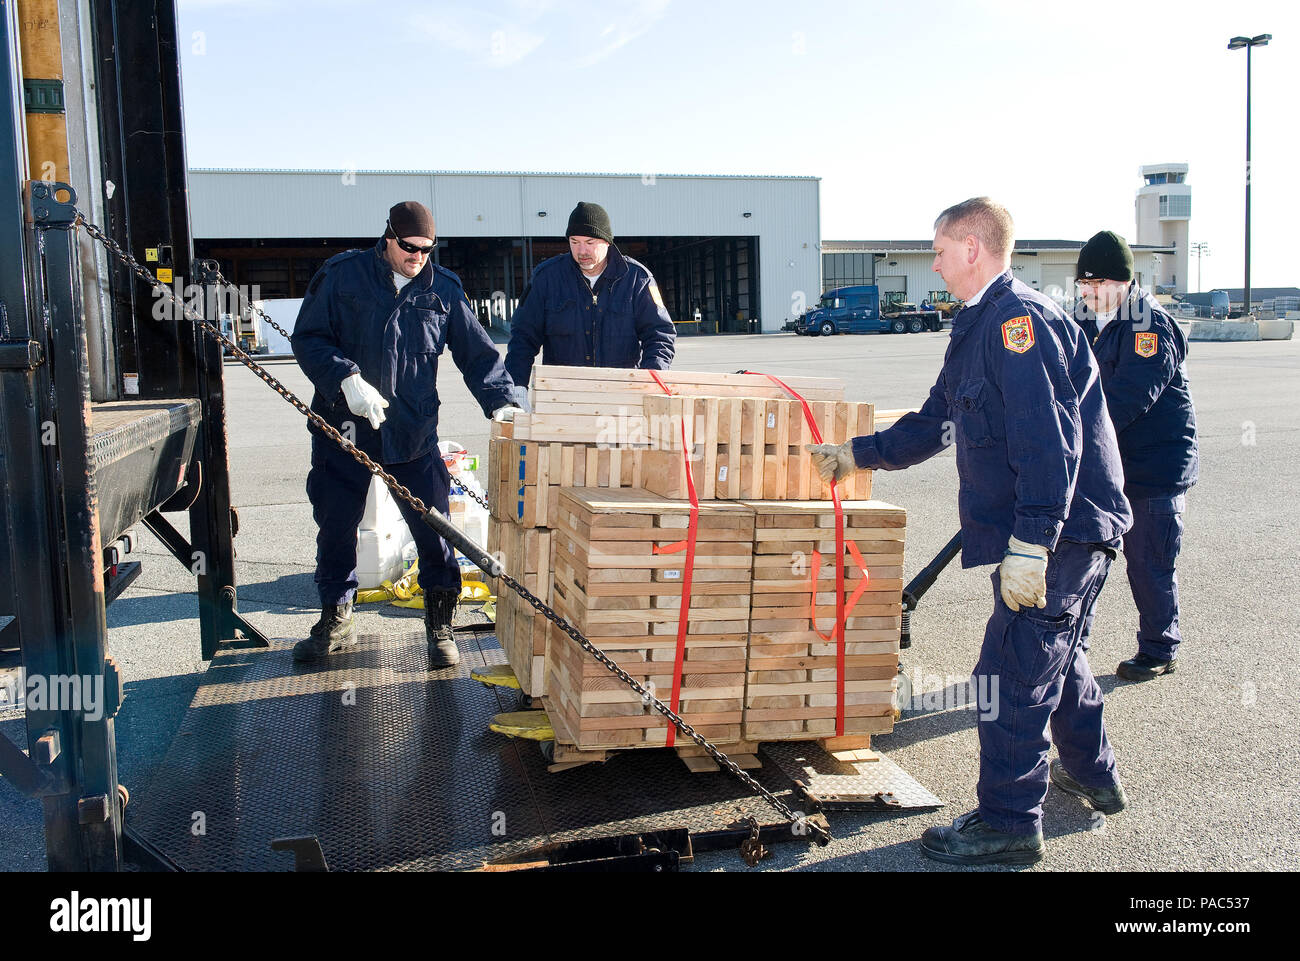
{"x":113,"y":418}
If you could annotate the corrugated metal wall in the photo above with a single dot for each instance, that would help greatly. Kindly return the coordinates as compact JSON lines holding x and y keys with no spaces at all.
{"x":784,"y":212}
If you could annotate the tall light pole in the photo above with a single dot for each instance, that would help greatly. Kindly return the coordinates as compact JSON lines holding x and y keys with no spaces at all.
{"x":1236,"y":43}
{"x":1201,"y":249}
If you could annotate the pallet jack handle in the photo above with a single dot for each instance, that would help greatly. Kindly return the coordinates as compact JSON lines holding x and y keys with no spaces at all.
{"x":459,"y":540}
{"x":922,"y":582}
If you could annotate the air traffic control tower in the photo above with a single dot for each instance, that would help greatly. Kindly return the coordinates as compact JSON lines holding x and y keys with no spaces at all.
{"x":1164,"y":208}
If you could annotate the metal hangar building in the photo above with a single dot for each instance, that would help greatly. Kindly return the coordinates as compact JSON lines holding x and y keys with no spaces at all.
{"x":743,"y":250}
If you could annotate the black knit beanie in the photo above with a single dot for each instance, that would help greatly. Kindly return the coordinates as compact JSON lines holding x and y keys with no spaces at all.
{"x":1105,"y":257}
{"x":410,"y":219}
{"x":589,"y":220}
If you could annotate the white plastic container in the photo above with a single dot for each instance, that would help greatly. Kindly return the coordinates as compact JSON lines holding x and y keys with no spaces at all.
{"x":382,"y":538}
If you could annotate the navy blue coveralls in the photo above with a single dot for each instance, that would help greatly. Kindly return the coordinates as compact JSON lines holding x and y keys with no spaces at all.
{"x":1142,"y":354}
{"x":1019,"y":394}
{"x":352,"y":320}
{"x":621,"y":322}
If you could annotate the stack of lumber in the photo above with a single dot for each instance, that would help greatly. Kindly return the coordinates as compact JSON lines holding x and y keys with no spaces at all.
{"x":749,"y":448}
{"x":525,"y":476}
{"x":605,"y":406}
{"x":526,"y":554}
{"x":792,"y":672}
{"x":588,"y":429}
{"x":589,"y":503}
{"x":624,"y":595}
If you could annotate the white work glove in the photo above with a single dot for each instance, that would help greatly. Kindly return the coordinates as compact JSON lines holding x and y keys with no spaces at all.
{"x":363,"y":400}
{"x":833,"y":460}
{"x":1024,"y":575}
{"x":506,"y":415}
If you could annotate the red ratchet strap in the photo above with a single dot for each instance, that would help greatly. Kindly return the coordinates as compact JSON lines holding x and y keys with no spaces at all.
{"x":841,"y":614}
{"x":688,"y":570}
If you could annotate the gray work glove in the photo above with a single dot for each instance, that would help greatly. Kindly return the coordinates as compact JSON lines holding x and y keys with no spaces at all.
{"x":363,"y":400}
{"x":833,"y":461}
{"x":1024,"y":575}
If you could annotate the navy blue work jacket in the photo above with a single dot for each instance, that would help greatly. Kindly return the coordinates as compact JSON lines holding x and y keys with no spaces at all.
{"x":1020,"y":396}
{"x":1142,"y":354}
{"x":621,"y":322}
{"x":353,"y":319}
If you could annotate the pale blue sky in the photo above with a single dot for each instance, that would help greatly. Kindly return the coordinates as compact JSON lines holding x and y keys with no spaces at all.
{"x":901,"y":109}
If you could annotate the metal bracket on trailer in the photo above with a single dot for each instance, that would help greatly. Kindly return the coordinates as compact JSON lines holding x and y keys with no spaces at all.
{"x":307,"y":853}
{"x":180,"y":549}
{"x":664,"y":850}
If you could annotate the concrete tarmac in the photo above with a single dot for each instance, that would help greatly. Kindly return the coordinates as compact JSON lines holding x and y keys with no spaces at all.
{"x":1210,"y":756}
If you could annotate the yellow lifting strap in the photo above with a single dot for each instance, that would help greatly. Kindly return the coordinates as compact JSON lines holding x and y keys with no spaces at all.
{"x":497,"y":675}
{"x":532,"y":725}
{"x":406,"y":592}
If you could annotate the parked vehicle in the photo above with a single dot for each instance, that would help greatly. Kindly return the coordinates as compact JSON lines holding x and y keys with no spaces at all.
{"x":858,"y":310}
{"x":1213,"y":304}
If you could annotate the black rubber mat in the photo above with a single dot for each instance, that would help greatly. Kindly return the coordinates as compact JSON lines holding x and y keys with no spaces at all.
{"x":392,"y":766}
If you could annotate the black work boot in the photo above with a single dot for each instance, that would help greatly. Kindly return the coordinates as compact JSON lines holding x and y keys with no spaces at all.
{"x":969,"y":840}
{"x":1108,"y":800}
{"x":334,"y":632}
{"x":439,"y":606}
{"x":1144,"y":667}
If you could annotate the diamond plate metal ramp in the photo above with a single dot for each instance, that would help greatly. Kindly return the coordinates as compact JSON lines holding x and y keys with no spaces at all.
{"x":842,"y":785}
{"x":391,"y":765}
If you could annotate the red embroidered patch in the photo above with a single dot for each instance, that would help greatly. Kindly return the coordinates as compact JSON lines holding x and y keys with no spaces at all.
{"x":1018,"y":334}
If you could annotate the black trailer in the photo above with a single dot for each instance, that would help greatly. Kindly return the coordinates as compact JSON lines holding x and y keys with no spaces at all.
{"x":111,"y":413}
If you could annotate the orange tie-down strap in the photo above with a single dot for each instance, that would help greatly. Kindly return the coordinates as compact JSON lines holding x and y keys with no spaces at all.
{"x":688,"y":569}
{"x":840,"y":615}
{"x":840,"y":621}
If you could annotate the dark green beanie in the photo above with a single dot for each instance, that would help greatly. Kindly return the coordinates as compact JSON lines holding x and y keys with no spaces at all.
{"x":1105,"y":257}
{"x":589,"y":220}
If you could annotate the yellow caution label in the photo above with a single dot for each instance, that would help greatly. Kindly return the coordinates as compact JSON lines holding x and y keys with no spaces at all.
{"x":151,"y":254}
{"x":165,"y":274}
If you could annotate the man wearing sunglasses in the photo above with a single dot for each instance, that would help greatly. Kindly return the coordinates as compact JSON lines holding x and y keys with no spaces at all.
{"x":369,"y":335}
{"x":591,"y":307}
{"x":1142,"y":352}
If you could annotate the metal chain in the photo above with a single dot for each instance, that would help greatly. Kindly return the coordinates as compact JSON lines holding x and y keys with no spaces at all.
{"x":399,"y":491}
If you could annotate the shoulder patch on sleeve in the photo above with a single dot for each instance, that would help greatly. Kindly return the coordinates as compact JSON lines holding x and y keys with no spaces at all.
{"x":657,"y":297}
{"x":1018,"y":334}
{"x":1146,"y":343}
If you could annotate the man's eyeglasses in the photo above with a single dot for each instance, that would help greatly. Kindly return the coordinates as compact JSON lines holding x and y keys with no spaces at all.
{"x":1089,"y":284}
{"x":412,"y":248}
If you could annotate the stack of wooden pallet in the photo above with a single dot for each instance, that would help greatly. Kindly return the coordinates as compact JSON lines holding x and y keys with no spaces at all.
{"x":759,"y":660}
{"x":618,"y":577}
{"x":791,"y":691}
{"x":588,"y":429}
{"x":606,"y":406}
{"x":526,"y":554}
{"x":749,"y":448}
{"x":525,"y":476}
